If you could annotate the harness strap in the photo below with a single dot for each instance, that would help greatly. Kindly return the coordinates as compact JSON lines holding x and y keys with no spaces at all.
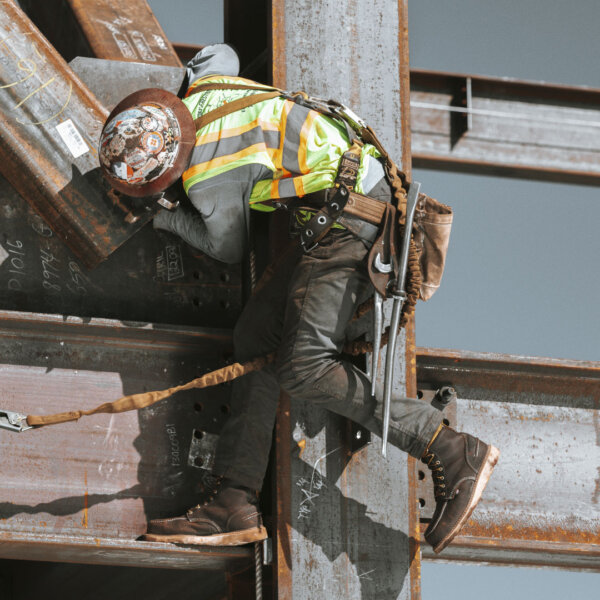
{"x":299,"y":97}
{"x":231,"y":107}
{"x":204,"y":87}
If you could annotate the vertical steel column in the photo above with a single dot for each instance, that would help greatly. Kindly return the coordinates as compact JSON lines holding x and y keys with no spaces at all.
{"x":346,"y":526}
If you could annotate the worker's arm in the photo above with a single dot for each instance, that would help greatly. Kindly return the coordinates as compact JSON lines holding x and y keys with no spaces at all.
{"x":217,"y":228}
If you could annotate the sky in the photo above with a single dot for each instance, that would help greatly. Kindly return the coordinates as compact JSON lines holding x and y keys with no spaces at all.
{"x":522,"y":275}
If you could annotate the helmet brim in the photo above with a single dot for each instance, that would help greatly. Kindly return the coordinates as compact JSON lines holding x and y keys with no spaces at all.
{"x":184,"y":150}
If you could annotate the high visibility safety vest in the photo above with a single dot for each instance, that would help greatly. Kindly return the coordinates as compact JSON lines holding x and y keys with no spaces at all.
{"x":300,"y":147}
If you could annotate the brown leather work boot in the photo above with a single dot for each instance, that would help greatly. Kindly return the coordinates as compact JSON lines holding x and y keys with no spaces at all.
{"x":461,"y":466}
{"x":230,"y":518}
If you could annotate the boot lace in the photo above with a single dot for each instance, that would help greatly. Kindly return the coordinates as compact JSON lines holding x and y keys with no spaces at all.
{"x":209,"y":487}
{"x":437,"y":472}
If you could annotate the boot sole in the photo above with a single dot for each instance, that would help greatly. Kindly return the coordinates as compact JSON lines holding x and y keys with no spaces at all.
{"x":491,"y":458}
{"x":234,"y":538}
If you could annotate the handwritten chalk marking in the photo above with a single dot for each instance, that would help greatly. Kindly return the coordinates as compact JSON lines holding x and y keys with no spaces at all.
{"x":54,"y":116}
{"x":21,"y":68}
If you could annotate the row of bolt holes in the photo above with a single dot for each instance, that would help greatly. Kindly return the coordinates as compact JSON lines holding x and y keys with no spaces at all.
{"x":224,"y":304}
{"x":422,"y":473}
{"x":199,"y":407}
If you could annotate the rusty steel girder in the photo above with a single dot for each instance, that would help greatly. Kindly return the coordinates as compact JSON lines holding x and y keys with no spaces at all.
{"x":154,"y":276}
{"x":507,"y":127}
{"x":83,"y":491}
{"x":110,"y":29}
{"x":541,"y":506}
{"x":49,"y":133}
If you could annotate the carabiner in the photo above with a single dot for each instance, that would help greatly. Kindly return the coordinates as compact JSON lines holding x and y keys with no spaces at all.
{"x":13,"y":421}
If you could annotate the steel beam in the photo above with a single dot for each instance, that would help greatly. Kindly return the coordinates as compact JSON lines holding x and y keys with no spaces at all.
{"x":38,"y":272}
{"x":110,"y":29}
{"x":49,"y":130}
{"x":154,"y":276}
{"x":505,"y":127}
{"x":541,"y":505}
{"x":83,"y":491}
{"x":344,"y":522}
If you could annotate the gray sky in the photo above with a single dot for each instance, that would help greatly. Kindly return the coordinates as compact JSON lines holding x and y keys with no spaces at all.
{"x":522,"y":273}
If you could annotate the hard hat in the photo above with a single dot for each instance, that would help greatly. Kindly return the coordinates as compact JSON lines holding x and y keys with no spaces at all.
{"x":146,"y":143}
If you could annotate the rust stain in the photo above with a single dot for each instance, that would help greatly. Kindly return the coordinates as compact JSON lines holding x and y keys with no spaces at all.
{"x":302,"y":446}
{"x":84,"y":520}
{"x":596,"y":496}
{"x":546,"y":534}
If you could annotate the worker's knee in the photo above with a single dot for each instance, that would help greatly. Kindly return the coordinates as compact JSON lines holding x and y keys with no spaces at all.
{"x":293,"y":379}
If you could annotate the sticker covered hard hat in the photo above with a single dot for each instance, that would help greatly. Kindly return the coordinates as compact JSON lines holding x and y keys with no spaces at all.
{"x":146,"y":142}
{"x":139,"y":145}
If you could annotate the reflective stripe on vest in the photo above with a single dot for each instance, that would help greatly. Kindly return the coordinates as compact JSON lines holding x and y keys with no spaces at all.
{"x":300,"y":147}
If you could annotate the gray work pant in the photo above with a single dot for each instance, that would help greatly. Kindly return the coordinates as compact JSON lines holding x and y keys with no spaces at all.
{"x":302,"y":313}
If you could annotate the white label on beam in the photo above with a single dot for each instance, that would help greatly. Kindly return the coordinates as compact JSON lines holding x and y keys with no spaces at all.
{"x":72,"y":138}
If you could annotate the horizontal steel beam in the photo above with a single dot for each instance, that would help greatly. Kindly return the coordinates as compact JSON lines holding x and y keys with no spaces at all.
{"x":541,"y":506}
{"x":83,"y":491}
{"x":119,"y":552}
{"x":155,"y":276}
{"x":505,"y":127}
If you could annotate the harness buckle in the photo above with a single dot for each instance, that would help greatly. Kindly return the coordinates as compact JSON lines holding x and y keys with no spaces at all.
{"x":304,"y":248}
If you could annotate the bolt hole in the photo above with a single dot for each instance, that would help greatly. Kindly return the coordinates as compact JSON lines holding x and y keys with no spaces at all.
{"x":421,"y":502}
{"x":419,"y":394}
{"x":421,"y":475}
{"x":198,"y":407}
{"x":198,"y":434}
{"x":225,"y":409}
{"x":446,"y":422}
{"x":198,"y":461}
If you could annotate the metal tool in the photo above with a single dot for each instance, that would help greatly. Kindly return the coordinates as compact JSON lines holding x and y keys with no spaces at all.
{"x":13,"y":421}
{"x":377,"y":331}
{"x":382,"y":267}
{"x":399,"y":294}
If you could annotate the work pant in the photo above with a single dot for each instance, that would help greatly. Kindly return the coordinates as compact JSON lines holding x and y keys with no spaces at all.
{"x":302,"y":314}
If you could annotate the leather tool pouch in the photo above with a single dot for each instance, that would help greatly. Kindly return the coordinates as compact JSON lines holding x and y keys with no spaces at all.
{"x":433,"y":221}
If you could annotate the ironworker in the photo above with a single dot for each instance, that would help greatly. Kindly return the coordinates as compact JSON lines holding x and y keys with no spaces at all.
{"x":253,"y":158}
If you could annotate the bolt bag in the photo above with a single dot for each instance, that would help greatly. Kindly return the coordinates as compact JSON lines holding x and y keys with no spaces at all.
{"x":433,"y":221}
